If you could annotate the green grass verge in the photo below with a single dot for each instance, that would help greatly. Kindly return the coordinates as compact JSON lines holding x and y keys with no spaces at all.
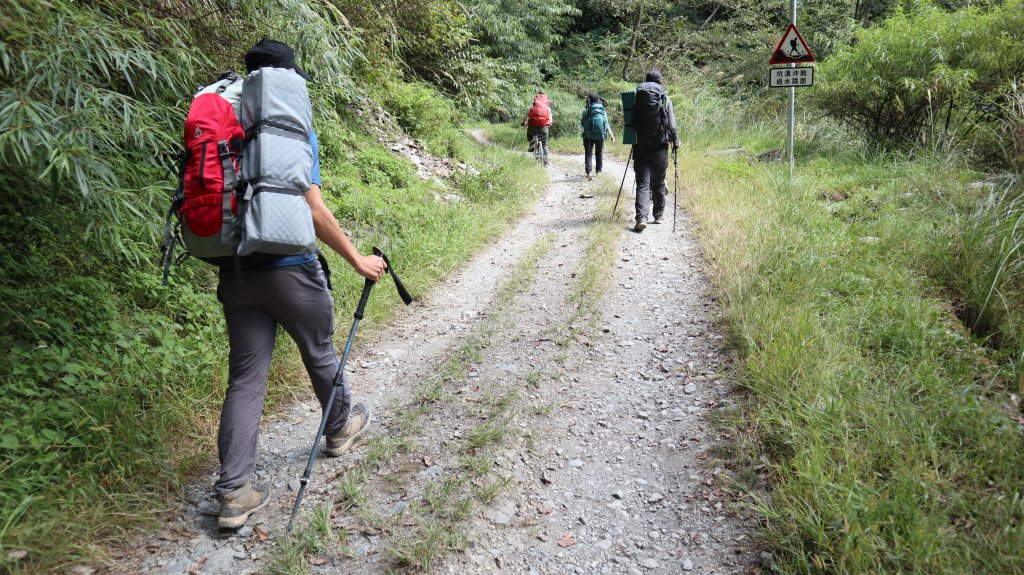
{"x":891,"y":446}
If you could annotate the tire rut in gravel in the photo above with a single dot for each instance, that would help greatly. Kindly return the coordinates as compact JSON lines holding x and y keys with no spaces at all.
{"x":624,"y":479}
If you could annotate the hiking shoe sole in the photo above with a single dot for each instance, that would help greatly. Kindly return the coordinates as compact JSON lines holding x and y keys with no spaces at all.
{"x":350,"y":439}
{"x":236,"y":521}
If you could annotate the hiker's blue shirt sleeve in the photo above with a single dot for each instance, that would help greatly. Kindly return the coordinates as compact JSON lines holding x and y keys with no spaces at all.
{"x":315,"y":172}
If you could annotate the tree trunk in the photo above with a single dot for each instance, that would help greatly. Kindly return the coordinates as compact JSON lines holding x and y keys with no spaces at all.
{"x":632,"y":46}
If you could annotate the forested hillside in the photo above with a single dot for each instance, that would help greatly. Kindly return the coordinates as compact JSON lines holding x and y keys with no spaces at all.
{"x":875,"y":298}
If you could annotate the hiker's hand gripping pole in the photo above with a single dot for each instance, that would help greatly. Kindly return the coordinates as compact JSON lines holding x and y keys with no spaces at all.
{"x":339,"y":376}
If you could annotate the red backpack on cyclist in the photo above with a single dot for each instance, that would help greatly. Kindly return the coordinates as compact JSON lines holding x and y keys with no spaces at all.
{"x":540,"y":112}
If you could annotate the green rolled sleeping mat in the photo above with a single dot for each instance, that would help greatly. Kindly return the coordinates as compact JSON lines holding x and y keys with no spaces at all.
{"x":628,"y":133}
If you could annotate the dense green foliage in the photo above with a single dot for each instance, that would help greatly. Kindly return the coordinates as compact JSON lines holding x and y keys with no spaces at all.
{"x":728,"y":41}
{"x":473,"y":51}
{"x":933,"y":77}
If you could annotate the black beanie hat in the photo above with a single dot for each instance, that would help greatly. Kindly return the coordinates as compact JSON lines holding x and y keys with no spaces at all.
{"x":272,"y":54}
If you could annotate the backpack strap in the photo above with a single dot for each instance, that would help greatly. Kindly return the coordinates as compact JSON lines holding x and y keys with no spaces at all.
{"x":326,"y":268}
{"x":666,"y":125}
{"x":230,"y":181}
{"x":167,"y":252}
{"x":172,"y":234}
{"x":277,"y":128}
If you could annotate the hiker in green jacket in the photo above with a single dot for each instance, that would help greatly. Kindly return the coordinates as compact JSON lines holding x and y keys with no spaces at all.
{"x":595,"y":129}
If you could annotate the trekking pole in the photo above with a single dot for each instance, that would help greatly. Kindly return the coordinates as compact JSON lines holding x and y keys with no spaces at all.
{"x":675,"y":193}
{"x":628,"y":158}
{"x":338,"y":378}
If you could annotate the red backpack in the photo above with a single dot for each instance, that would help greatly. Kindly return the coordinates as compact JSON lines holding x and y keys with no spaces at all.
{"x":205,"y":201}
{"x":540,"y":112}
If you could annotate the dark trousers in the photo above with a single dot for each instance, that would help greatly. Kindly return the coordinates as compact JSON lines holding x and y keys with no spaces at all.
{"x":650,"y":167}
{"x":596,"y":147}
{"x":255,"y":303}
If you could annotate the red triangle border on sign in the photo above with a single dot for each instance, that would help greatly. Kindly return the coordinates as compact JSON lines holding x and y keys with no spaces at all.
{"x":775,"y":56}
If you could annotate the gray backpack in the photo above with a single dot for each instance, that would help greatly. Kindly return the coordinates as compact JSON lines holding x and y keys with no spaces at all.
{"x":268,"y":118}
{"x":277,"y":164}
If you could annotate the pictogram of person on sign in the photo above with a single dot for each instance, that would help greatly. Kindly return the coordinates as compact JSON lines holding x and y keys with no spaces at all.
{"x":791,"y":48}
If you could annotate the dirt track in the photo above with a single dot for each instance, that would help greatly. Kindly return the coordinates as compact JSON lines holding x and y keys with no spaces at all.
{"x":599,"y":460}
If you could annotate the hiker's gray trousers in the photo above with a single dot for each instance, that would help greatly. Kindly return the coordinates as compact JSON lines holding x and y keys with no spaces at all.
{"x":255,"y":303}
{"x":650,"y":167}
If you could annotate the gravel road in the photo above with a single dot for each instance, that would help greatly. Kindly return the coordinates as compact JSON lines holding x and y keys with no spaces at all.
{"x":604,"y":456}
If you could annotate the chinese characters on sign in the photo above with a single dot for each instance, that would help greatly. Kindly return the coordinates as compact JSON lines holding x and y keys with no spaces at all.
{"x":791,"y":77}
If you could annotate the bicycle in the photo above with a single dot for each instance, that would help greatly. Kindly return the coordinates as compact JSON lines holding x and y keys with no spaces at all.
{"x":537,"y":147}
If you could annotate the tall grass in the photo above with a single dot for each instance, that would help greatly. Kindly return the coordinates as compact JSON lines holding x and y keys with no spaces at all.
{"x":890,"y":447}
{"x":988,"y":271}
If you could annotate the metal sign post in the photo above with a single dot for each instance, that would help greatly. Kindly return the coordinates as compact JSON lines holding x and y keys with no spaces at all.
{"x":792,"y":50}
{"x":792,"y":97}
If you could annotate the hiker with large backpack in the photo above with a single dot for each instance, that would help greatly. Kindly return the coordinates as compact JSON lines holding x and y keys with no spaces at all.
{"x":654,"y":120}
{"x":270,"y":272}
{"x":595,"y":129}
{"x":537,"y":120}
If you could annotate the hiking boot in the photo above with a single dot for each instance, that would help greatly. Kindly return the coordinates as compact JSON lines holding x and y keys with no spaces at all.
{"x":358,"y":420}
{"x":235,"y":507}
{"x":590,"y":177}
{"x":658,"y":219}
{"x":640,"y":226}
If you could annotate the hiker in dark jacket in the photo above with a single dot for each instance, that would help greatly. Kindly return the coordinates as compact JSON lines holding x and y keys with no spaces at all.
{"x":290,"y":291}
{"x":650,"y":154}
{"x":595,"y":128}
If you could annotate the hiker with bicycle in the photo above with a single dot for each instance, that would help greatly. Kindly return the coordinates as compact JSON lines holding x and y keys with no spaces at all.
{"x":655,"y":124}
{"x":261,"y":291}
{"x":595,"y":129}
{"x":537,"y":120}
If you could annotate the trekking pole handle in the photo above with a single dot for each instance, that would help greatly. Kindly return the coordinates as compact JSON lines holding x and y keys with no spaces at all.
{"x":402,"y":292}
{"x":367,"y":286}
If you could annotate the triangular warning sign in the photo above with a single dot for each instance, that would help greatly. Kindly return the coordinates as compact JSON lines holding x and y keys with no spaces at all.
{"x":791,"y":49}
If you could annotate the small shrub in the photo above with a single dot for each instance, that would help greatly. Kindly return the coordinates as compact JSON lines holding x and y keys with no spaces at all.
{"x":928,"y":76}
{"x":380,"y":168}
{"x":424,"y":113}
